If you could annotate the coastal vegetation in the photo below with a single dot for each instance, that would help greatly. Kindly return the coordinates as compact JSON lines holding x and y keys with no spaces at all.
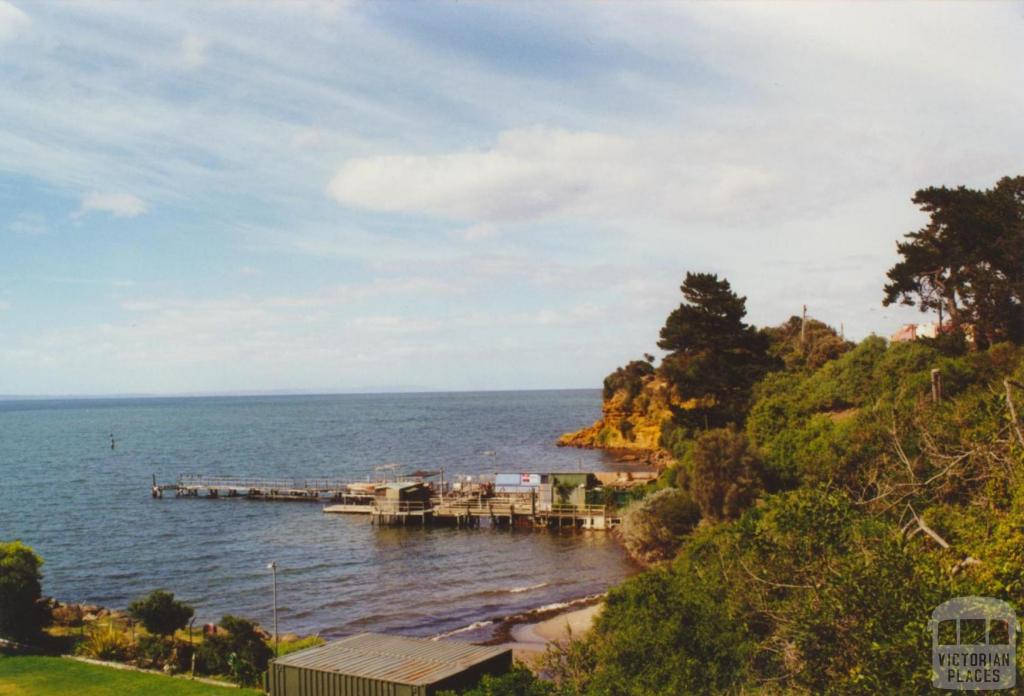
{"x":150,"y":636}
{"x":239,"y":651}
{"x":653,"y":527}
{"x":844,"y":491}
{"x":160,"y":613}
{"x":23,"y":613}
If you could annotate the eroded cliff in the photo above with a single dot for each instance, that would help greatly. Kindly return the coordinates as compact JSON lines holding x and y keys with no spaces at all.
{"x":632,"y":418}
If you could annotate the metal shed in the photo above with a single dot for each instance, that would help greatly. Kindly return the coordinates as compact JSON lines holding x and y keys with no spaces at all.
{"x":371,"y":664}
{"x":403,"y":491}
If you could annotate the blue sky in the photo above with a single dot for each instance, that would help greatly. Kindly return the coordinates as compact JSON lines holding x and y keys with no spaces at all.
{"x":321,"y":196}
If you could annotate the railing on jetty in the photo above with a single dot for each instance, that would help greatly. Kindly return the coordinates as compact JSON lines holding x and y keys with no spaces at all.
{"x":225,"y":482}
{"x":460,"y":510}
{"x":395,"y":507}
{"x":522,"y":512}
{"x":194,"y":485}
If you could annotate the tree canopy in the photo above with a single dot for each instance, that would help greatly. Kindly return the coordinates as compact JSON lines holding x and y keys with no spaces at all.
{"x":967,"y":263}
{"x":714,"y":356}
{"x":806,"y":344}
{"x":631,"y":377}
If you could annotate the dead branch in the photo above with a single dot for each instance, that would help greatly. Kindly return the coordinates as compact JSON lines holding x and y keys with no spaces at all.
{"x":899,"y":448}
{"x":922,"y":527}
{"x":1013,"y":411}
{"x":969,"y":561}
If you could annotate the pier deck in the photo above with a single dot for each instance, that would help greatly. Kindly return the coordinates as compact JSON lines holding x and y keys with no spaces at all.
{"x":500,"y":512}
{"x":352,"y":498}
{"x":313,"y":490}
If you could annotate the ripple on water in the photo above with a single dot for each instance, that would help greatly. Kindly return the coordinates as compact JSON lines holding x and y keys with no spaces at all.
{"x":87,"y":509}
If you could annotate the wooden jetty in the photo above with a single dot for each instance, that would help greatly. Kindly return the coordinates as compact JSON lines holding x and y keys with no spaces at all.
{"x":460,"y":509}
{"x":309,"y":490}
{"x":516,"y":512}
{"x":499,"y":512}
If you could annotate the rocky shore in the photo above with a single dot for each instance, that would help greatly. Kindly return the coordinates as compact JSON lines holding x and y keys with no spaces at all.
{"x":631,"y":423}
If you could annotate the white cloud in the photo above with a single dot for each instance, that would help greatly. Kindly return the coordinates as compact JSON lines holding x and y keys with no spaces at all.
{"x":4,"y":305}
{"x":123,"y":205}
{"x":528,"y":174}
{"x":28,"y":223}
{"x":12,"y":21}
{"x":719,"y":173}
{"x":824,"y":105}
{"x":193,"y":51}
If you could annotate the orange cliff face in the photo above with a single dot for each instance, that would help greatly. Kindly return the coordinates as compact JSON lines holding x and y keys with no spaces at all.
{"x":629,"y":423}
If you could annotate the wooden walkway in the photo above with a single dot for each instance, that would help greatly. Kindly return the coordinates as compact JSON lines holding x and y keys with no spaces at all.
{"x":500,"y":512}
{"x":352,"y":498}
{"x":312,"y":490}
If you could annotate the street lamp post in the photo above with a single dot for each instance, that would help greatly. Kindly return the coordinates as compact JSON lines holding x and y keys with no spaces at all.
{"x":273,"y":570}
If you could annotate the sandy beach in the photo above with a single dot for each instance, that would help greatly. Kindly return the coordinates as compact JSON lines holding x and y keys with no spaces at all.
{"x":530,"y":640}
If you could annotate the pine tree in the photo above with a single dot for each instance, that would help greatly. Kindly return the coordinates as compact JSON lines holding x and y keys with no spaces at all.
{"x":714,"y":357}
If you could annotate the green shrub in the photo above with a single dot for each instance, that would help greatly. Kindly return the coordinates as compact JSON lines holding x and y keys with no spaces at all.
{"x":653,"y":528}
{"x":725,"y":475}
{"x":241,"y":652}
{"x":161,"y":613}
{"x":290,"y":646}
{"x":665,"y":633}
{"x":519,"y":682}
{"x":107,"y":642}
{"x":821,"y":343}
{"x":23,"y":614}
{"x":153,"y":651}
{"x":804,"y":593}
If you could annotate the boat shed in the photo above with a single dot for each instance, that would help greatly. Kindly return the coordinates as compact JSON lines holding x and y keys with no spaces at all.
{"x":371,"y":664}
{"x":403,"y":491}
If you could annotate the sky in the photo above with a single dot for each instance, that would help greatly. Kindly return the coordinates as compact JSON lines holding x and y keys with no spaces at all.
{"x":238,"y":196}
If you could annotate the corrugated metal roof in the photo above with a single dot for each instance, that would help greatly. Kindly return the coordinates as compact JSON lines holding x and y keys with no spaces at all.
{"x":400,"y":485}
{"x":398,"y":659}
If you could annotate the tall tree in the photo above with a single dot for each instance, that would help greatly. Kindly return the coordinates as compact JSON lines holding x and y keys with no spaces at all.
{"x":714,"y":357}
{"x":967,"y":263}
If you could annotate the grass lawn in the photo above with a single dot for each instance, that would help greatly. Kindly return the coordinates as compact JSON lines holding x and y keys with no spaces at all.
{"x":42,"y":676}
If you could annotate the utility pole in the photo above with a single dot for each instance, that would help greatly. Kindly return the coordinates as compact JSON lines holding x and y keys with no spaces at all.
{"x":803,"y":327}
{"x":273,"y":570}
{"x":192,"y":672}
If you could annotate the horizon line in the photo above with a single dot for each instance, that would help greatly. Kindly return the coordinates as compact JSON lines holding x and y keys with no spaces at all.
{"x":368,"y":391}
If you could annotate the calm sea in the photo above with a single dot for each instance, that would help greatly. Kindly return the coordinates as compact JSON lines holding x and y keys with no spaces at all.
{"x":87,"y":510}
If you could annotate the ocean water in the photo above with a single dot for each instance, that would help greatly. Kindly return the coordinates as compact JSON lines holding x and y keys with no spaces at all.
{"x":88,"y":511}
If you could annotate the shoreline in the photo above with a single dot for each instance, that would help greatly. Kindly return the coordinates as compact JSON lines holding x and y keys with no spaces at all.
{"x":530,"y":641}
{"x":530,"y":633}
{"x":507,"y":627}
